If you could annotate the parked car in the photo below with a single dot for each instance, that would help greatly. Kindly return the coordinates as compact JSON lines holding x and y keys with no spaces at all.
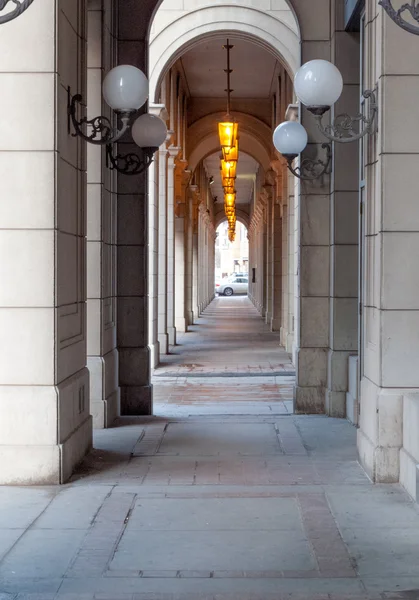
{"x":236,"y":284}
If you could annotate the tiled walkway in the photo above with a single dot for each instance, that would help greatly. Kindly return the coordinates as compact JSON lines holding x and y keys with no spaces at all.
{"x":225,"y":495}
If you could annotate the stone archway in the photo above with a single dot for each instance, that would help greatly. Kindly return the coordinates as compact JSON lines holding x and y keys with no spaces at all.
{"x":276,"y":31}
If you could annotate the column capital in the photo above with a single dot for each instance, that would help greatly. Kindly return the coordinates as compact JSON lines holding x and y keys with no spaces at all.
{"x":159,"y":110}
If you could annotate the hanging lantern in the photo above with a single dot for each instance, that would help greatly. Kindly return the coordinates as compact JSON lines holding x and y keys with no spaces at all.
{"x":231,"y":153}
{"x":229,"y":169}
{"x":228,"y":132}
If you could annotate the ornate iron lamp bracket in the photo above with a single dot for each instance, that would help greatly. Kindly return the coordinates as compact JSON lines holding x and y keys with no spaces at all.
{"x":345,"y":128}
{"x":98,"y":131}
{"x":129,"y":164}
{"x":20,"y":7}
{"x":310,"y":169}
{"x":411,"y":7}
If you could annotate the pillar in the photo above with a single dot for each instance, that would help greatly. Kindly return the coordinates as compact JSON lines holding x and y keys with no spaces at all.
{"x":388,"y":425}
{"x":45,"y":425}
{"x":102,"y":354}
{"x":344,"y":213}
{"x":171,"y":328}
{"x":189,"y":302}
{"x":132,"y":262}
{"x":195,"y":265}
{"x":163,"y":336}
{"x":182,"y":177}
{"x":155,"y":180}
{"x":290,"y":339}
{"x":312,"y":241}
{"x":277,"y":262}
{"x":269,"y":260}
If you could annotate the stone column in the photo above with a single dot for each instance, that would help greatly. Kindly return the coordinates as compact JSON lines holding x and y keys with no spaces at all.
{"x":344,"y":213}
{"x":153,"y":234}
{"x":388,"y":433}
{"x":277,"y":300}
{"x":285,"y":258}
{"x":289,"y":344}
{"x":162,"y":265}
{"x":154,"y":190}
{"x":189,"y":305}
{"x":102,"y":359}
{"x":312,"y":270}
{"x":200,"y":260}
{"x":171,"y":328}
{"x":195,"y":261}
{"x":45,"y":425}
{"x":132,"y":262}
{"x":182,"y":178}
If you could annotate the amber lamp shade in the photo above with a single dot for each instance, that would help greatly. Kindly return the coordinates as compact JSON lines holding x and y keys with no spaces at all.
{"x":228,"y":133}
{"x":231,"y":153}
{"x":228,"y":169}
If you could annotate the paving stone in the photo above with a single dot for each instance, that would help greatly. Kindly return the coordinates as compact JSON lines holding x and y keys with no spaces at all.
{"x":213,"y":550}
{"x":226,"y":495}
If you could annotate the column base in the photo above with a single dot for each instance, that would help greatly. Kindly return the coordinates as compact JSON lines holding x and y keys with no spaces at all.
{"x":137,"y":400}
{"x":171,"y":332}
{"x":105,"y":412}
{"x":276,"y":324}
{"x":283,"y":336}
{"x":154,"y":355}
{"x":268,"y":317}
{"x":104,"y":389}
{"x":181,"y":325}
{"x":164,"y":343}
{"x":337,"y":382}
{"x":45,"y":431}
{"x":380,"y":433}
{"x":45,"y":465}
{"x":309,"y":400}
{"x":409,"y":454}
{"x":190,"y":318}
{"x":290,"y":345}
{"x":335,"y":404}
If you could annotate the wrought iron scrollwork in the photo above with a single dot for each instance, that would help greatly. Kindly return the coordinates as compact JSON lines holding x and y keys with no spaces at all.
{"x":130,"y":164}
{"x":98,"y":131}
{"x":310,"y":169}
{"x":20,"y":7}
{"x":398,"y":15}
{"x":346,"y":128}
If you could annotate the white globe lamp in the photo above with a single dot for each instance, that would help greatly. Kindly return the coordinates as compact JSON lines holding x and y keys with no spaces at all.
{"x":149,"y":131}
{"x":290,"y":139}
{"x":318,"y":85}
{"x":125,"y":89}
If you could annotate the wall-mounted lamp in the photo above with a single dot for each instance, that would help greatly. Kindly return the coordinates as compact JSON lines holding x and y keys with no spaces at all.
{"x":19,"y":7}
{"x":290,"y":139}
{"x":397,"y":15}
{"x":148,"y":132}
{"x":211,"y":180}
{"x":318,"y":85}
{"x":125,"y":90}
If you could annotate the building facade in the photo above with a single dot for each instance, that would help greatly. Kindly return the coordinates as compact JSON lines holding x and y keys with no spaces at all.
{"x":100,"y":270}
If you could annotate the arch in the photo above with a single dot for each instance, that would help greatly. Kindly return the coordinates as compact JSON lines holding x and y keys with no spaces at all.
{"x":242,"y":217}
{"x":191,"y":27}
{"x":255,"y":139}
{"x":156,"y":4}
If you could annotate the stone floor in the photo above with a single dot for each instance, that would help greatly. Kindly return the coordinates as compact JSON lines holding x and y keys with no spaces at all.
{"x":223,"y":495}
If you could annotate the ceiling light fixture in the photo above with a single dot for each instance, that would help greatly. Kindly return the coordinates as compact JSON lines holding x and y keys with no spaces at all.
{"x":228,"y":132}
{"x":398,"y":15}
{"x":19,"y":7}
{"x":318,"y":85}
